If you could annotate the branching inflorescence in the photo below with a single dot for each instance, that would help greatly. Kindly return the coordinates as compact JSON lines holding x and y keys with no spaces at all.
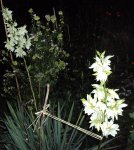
{"x":17,"y":37}
{"x":103,"y":104}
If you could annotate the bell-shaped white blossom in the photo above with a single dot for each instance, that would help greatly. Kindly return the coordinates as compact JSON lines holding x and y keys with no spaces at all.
{"x":22,"y":30}
{"x":112,"y":94}
{"x":90,"y":104}
{"x":99,"y":91}
{"x":20,"y":52}
{"x":109,"y":128}
{"x":96,"y":119}
{"x":7,"y":14}
{"x":115,"y":108}
{"x":10,"y":45}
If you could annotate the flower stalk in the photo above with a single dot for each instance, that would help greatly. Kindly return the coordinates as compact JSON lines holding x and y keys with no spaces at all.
{"x":17,"y":41}
{"x":103,"y":104}
{"x":11,"y":57}
{"x":30,"y":82}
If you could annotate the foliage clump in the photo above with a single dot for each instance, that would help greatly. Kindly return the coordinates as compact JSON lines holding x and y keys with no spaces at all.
{"x":46,"y":54}
{"x":41,"y":50}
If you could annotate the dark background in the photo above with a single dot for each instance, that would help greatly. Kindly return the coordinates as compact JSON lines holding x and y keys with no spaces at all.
{"x":90,"y":25}
{"x":93,"y":24}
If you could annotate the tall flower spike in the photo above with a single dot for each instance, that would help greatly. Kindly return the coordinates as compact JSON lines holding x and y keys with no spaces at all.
{"x":17,"y":37}
{"x":103,"y":105}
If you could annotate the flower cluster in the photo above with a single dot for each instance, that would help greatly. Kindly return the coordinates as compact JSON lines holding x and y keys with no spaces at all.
{"x":101,"y":67}
{"x":17,"y":37}
{"x":103,"y":105}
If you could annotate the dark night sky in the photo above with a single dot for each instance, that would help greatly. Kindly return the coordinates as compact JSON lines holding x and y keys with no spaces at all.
{"x":113,"y":14}
{"x":100,"y":24}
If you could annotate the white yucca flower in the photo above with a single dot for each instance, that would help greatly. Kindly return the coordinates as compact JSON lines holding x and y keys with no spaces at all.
{"x":96,"y":119}
{"x":114,"y":109}
{"x":7,"y":14}
{"x":90,"y":104}
{"x":99,"y":91}
{"x":109,"y":128}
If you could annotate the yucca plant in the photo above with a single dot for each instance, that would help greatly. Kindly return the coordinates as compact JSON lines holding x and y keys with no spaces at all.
{"x":52,"y":135}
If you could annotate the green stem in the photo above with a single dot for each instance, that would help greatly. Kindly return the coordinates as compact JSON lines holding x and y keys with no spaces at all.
{"x":105,"y":90}
{"x":46,"y":98}
{"x":39,"y":91}
{"x":105,"y":99}
{"x":99,"y":146}
{"x":30,"y":82}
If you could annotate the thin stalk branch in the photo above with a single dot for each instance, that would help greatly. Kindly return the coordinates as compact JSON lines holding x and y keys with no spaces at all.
{"x":11,"y":57}
{"x":46,"y":98}
{"x":42,"y":118}
{"x":39,"y":90}
{"x":30,"y":82}
{"x":100,"y":144}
